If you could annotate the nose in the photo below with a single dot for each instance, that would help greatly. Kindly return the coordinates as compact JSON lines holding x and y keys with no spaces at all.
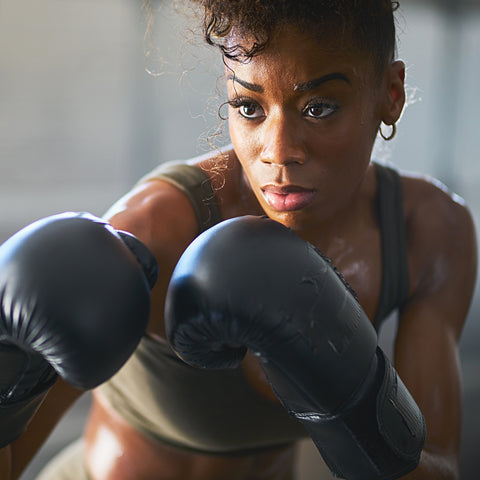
{"x":282,"y":141}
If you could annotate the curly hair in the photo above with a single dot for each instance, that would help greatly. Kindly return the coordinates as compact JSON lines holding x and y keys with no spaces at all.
{"x":367,"y":24}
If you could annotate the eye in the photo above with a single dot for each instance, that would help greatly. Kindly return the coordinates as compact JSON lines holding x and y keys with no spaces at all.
{"x":247,"y":108}
{"x":319,"y":110}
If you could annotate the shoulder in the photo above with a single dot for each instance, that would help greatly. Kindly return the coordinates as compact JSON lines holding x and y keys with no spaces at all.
{"x":434,"y":214}
{"x":429,"y":205}
{"x":441,"y":241}
{"x":160,"y":211}
{"x":157,"y":213}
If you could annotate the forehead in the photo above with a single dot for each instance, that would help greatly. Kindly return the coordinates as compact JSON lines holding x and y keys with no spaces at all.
{"x":295,"y":56}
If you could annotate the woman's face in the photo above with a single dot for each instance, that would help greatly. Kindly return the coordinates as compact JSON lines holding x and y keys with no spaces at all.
{"x":303,"y":119}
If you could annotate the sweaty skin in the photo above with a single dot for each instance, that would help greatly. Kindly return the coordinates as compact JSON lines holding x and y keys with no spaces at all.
{"x":303,"y":120}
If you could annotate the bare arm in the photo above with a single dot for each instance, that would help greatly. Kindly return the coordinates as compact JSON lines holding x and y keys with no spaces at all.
{"x":15,"y":457}
{"x":429,"y":366}
{"x":442,"y":274}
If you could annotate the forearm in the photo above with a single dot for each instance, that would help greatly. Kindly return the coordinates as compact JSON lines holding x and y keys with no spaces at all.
{"x":436,"y":369}
{"x":6,"y":463}
{"x":434,"y":466}
{"x":58,"y":401}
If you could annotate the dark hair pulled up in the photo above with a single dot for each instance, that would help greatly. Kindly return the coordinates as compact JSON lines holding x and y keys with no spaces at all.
{"x":367,"y":24}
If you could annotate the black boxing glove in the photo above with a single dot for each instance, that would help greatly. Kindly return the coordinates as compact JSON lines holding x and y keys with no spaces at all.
{"x":74,"y":302}
{"x":252,"y":283}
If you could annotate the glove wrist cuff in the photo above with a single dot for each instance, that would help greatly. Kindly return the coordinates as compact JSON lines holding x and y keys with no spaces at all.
{"x":15,"y":417}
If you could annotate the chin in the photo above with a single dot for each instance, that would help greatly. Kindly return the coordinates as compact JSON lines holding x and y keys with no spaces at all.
{"x":296,"y":220}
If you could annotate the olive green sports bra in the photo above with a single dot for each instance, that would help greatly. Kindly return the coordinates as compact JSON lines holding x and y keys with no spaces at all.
{"x":218,"y":411}
{"x":195,"y":184}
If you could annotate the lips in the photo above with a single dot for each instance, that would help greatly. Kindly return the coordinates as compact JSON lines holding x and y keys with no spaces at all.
{"x":287,"y":198}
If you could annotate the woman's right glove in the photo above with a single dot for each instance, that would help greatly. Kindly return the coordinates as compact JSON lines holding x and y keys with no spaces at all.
{"x":252,"y":283}
{"x":74,"y":302}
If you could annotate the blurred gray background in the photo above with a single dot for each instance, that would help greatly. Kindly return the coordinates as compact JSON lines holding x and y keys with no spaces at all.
{"x":81,"y":120}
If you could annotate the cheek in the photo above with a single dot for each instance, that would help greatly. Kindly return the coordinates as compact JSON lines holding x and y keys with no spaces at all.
{"x":245,"y":141}
{"x":355,"y":137}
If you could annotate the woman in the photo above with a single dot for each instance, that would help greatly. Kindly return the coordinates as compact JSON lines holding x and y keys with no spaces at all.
{"x":310,"y":85}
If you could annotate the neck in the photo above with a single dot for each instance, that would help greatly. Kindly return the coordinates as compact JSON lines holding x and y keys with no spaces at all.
{"x":332,"y":233}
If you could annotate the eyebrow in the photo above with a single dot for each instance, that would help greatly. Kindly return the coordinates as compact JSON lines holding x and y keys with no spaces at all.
{"x":249,"y":86}
{"x":311,"y":84}
{"x":298,"y":87}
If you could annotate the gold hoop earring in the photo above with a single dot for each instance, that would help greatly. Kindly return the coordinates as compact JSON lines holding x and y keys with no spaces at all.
{"x":392,"y":133}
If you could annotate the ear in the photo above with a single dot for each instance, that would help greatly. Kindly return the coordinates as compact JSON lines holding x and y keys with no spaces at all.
{"x":394,"y":100}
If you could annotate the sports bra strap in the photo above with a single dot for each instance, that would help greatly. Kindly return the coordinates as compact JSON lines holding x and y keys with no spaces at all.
{"x":394,"y":289}
{"x":195,"y":183}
